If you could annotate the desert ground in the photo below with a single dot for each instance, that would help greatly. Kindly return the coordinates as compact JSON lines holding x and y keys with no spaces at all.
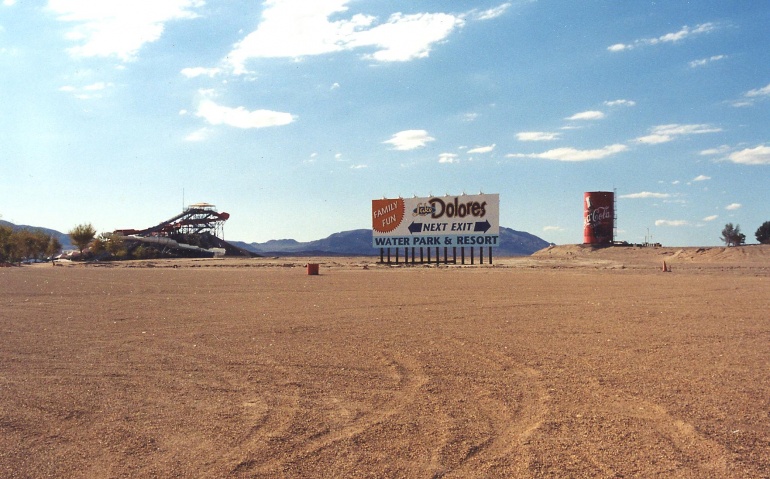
{"x":572,"y":362}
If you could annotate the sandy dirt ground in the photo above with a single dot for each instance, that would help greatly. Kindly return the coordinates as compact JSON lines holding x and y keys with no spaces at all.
{"x":568,"y":363}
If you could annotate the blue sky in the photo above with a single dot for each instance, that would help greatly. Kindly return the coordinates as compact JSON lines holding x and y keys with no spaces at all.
{"x":292,"y":115}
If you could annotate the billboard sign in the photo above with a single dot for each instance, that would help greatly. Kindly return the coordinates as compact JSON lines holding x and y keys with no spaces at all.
{"x":465,"y":220}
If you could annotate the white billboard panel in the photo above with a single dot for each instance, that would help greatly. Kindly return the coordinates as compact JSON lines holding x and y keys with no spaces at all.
{"x":465,"y":220}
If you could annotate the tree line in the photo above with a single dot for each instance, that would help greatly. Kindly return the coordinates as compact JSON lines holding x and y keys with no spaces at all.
{"x":20,"y":245}
{"x":732,"y":236}
{"x":35,"y":245}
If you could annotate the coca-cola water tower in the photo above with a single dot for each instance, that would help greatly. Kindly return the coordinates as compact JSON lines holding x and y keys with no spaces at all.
{"x":598,"y":217}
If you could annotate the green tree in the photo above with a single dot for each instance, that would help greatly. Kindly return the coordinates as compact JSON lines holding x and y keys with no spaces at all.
{"x":115,"y":245}
{"x":108,"y":243}
{"x":23,"y":244}
{"x":38,"y":244}
{"x":26,"y":244}
{"x":763,"y":233}
{"x":82,"y":235}
{"x":99,"y":245}
{"x":732,"y":236}
{"x":6,"y":243}
{"x":52,"y":248}
{"x":145,"y":252}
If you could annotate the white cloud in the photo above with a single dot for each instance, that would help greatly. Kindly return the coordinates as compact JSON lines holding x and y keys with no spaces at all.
{"x":764,"y":91}
{"x":492,"y":12}
{"x":470,"y":117}
{"x":676,"y":129}
{"x":742,"y":103}
{"x":706,"y":61}
{"x":358,"y":167}
{"x":587,"y":115}
{"x":701,"y":178}
{"x":448,"y":158}
{"x":97,"y":86}
{"x":752,"y":96}
{"x":733,"y":206}
{"x":537,"y":136}
{"x":409,"y":140}
{"x":666,"y":133}
{"x":9,"y":3}
{"x":87,"y":92}
{"x":619,"y":47}
{"x":710,"y":218}
{"x":646,"y":194}
{"x":620,"y":102}
{"x":715,"y":151}
{"x":573,"y":154}
{"x":200,"y":71}
{"x":406,"y":37}
{"x":654,"y":139}
{"x":118,"y":28}
{"x":752,"y":156}
{"x":671,"y":223}
{"x":240,"y":117}
{"x":199,"y":135}
{"x":482,"y":149}
{"x":298,"y":28}
{"x":553,"y":228}
{"x":673,"y":37}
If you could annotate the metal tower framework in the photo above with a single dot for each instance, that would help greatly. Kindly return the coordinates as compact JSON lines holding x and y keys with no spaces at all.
{"x":196,"y":219}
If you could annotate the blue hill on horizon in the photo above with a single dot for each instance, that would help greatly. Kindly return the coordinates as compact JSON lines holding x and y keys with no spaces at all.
{"x":359,"y":243}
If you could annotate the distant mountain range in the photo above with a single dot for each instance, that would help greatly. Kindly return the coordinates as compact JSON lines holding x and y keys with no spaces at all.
{"x":359,"y":243}
{"x":350,"y":243}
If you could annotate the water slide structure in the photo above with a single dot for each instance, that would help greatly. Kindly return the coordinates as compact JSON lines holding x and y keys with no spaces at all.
{"x":195,"y":232}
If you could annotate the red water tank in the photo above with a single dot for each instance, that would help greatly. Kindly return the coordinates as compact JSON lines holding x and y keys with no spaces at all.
{"x":598,"y":217}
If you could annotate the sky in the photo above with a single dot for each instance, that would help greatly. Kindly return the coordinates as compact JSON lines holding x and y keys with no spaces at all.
{"x":293,"y":115}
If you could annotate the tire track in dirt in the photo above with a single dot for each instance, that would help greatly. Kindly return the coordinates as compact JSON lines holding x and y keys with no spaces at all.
{"x":407,"y":379}
{"x":512,"y":419}
{"x":266,"y":419}
{"x":705,"y":457}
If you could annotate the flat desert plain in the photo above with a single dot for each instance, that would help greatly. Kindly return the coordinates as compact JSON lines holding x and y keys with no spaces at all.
{"x":568,"y":363}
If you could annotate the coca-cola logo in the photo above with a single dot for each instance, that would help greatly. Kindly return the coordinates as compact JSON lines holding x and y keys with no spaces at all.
{"x":598,"y":215}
